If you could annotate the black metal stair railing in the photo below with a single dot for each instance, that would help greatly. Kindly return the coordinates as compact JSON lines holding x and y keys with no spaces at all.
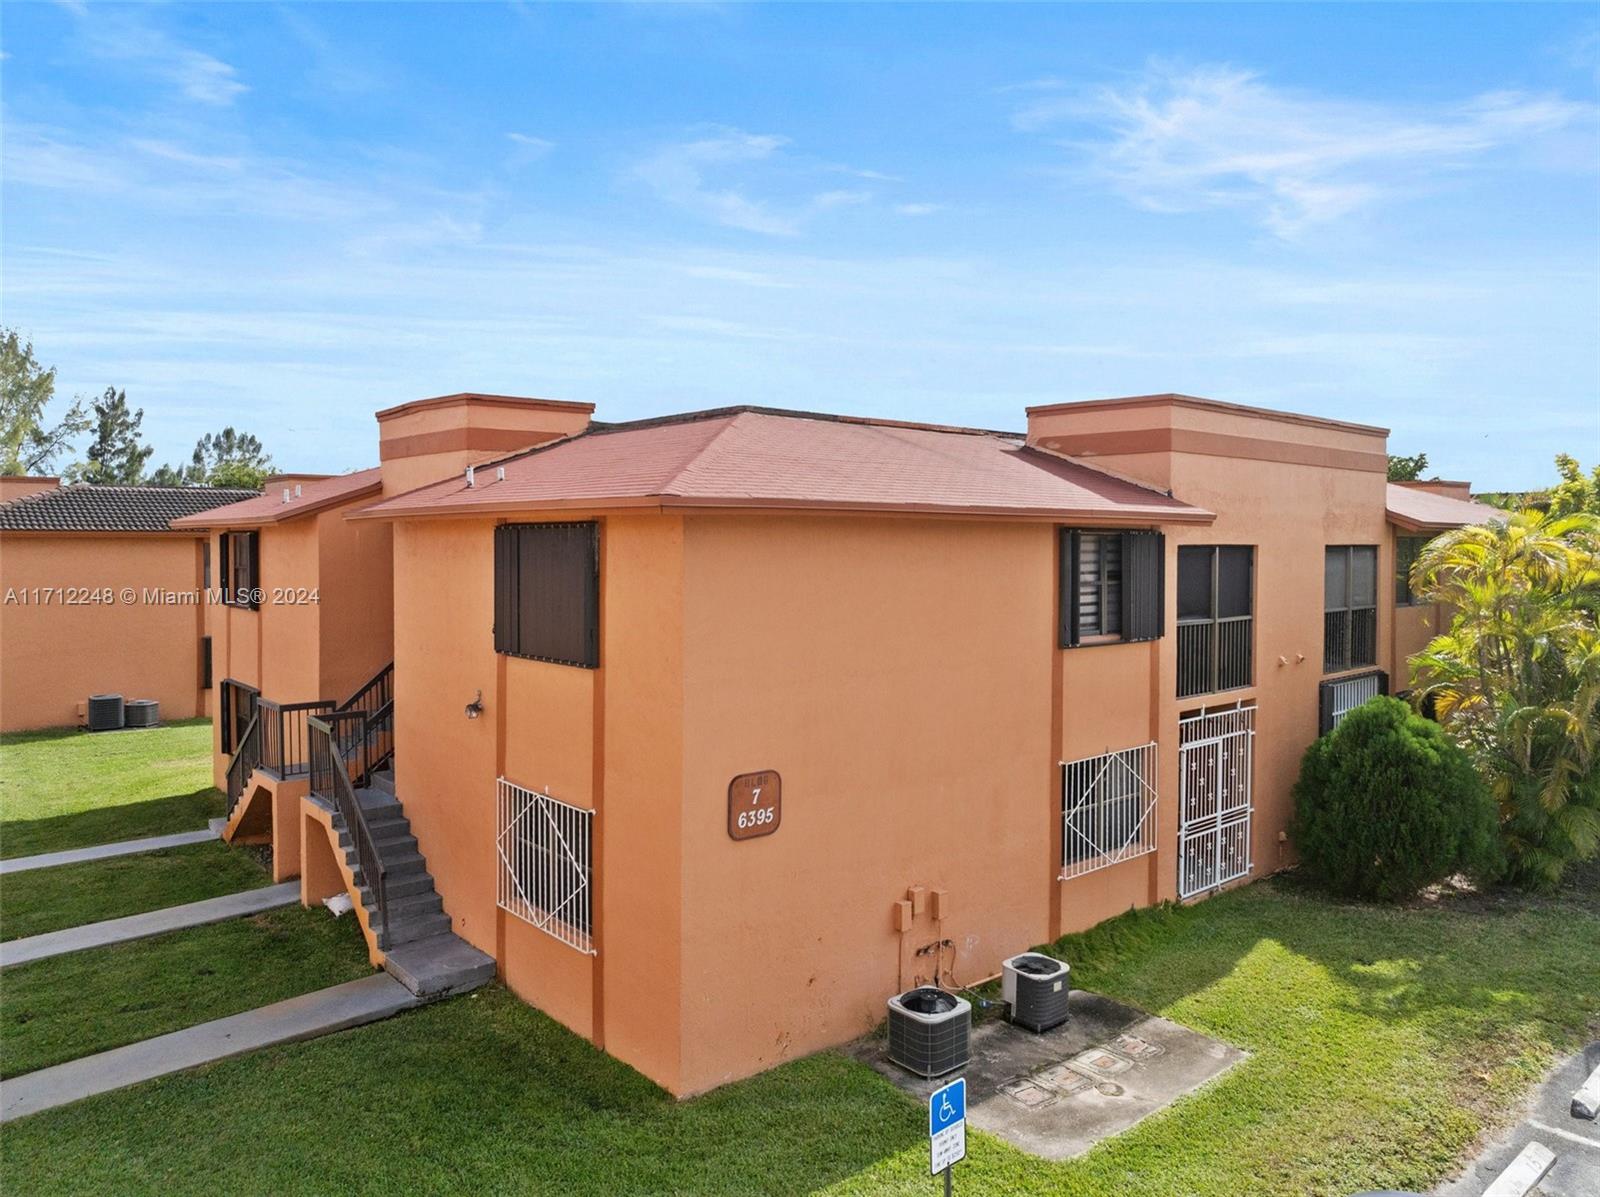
{"x":245,"y":759}
{"x":331,"y":780}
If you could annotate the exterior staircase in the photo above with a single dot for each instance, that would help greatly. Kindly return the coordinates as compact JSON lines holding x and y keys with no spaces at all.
{"x":401,"y":915}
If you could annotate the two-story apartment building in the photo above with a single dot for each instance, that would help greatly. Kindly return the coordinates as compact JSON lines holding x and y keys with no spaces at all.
{"x":714,"y":731}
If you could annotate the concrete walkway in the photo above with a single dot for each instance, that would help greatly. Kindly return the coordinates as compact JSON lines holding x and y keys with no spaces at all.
{"x":303,"y":1017}
{"x":49,"y":860}
{"x":154,"y":922}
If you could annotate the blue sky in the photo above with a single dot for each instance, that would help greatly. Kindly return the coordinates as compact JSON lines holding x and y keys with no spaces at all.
{"x":286,"y":217}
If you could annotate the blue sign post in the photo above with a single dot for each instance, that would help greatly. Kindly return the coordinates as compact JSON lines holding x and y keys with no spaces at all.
{"x":947,"y":1128}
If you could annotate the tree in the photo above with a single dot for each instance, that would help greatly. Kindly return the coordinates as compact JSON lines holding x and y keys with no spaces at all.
{"x":115,"y":455}
{"x":27,"y":444}
{"x":229,"y":458}
{"x":1574,"y":493}
{"x":1386,"y":804}
{"x":1516,"y":679}
{"x":1407,"y":469}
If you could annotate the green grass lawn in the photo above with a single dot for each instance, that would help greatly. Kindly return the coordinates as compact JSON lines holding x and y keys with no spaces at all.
{"x":65,"y":788}
{"x":41,"y":900}
{"x":70,"y":1006}
{"x":1382,"y":1041}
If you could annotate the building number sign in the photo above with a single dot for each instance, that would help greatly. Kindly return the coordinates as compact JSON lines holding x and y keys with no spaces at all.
{"x":755,"y":804}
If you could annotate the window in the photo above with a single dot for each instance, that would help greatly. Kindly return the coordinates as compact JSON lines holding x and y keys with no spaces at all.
{"x":1336,"y":699}
{"x":205,"y":662}
{"x":241,"y":569}
{"x":1111,"y":586}
{"x":546,"y":851}
{"x":1350,"y":607}
{"x":1215,"y":616}
{"x":547,"y":592}
{"x":205,"y":563}
{"x":1108,"y":809}
{"x":1406,"y":551}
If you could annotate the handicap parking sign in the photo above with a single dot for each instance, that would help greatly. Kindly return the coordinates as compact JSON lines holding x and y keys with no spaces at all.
{"x":947,"y":1125}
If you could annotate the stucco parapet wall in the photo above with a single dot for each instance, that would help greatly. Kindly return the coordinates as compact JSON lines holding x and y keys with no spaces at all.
{"x":1183,"y":424}
{"x":477,"y":399}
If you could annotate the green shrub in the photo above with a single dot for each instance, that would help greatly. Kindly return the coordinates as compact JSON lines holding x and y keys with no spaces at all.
{"x":1386,"y":804}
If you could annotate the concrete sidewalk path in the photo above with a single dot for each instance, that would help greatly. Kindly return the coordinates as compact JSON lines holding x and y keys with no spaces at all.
{"x":154,"y":922}
{"x":48,"y":860}
{"x":305,"y":1017}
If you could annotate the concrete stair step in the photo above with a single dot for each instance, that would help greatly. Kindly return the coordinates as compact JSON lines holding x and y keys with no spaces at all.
{"x":405,"y":906}
{"x":383,"y":782}
{"x":422,"y":926}
{"x":404,"y":864}
{"x":439,"y":965}
{"x":393,"y":840}
{"x":401,"y":887}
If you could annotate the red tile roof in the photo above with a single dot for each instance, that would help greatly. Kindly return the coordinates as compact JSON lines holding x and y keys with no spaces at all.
{"x":763,"y":459}
{"x":270,"y":508}
{"x":1425,"y":511}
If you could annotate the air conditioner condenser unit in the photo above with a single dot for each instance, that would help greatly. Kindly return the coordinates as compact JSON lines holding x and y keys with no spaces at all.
{"x":1036,"y":989}
{"x":930,"y":1031}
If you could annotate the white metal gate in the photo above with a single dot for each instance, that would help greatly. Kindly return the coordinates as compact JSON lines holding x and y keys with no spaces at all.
{"x":1215,"y":751}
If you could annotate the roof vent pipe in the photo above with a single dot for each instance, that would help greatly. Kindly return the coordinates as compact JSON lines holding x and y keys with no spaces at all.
{"x":286,"y":494}
{"x":297,"y":490}
{"x":470,"y":479}
{"x":500,"y":473}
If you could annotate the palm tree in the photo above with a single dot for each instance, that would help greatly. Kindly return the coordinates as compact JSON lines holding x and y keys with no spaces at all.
{"x":1516,"y":679}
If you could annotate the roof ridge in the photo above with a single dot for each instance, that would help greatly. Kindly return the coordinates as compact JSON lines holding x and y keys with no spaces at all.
{"x":694,"y":458}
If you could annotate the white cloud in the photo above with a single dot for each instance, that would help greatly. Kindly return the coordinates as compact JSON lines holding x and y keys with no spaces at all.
{"x":712,"y":176}
{"x":1179,"y":140}
{"x":122,"y":35}
{"x":917,"y":209}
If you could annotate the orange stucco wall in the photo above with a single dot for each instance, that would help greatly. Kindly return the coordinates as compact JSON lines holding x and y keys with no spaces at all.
{"x":56,"y":654}
{"x":16,"y":486}
{"x":325,"y":624}
{"x":431,"y":439}
{"x":901,"y":674}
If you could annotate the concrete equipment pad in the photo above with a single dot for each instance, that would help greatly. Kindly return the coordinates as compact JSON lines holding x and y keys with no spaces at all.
{"x":1056,"y":1094}
{"x":311,"y":1014}
{"x":154,"y":922}
{"x":46,"y":860}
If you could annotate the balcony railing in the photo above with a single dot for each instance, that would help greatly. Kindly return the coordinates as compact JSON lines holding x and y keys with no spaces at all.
{"x":1349,"y":639}
{"x":285,"y":736}
{"x":1215,"y":655}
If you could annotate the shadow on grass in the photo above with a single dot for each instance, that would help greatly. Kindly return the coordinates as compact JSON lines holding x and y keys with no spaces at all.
{"x":46,"y":735}
{"x":1460,"y":969}
{"x":109,"y":824}
{"x":477,"y":1094}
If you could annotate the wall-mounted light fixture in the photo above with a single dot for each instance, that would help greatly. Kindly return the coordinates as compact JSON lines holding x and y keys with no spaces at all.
{"x":475,"y":707}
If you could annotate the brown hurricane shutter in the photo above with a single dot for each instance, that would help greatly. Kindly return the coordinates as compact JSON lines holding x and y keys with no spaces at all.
{"x":550,"y":595}
{"x":1068,"y":604}
{"x":205,"y":662}
{"x":1144,"y":563}
{"x":224,"y":572}
{"x":253,"y":548}
{"x":505,"y":594}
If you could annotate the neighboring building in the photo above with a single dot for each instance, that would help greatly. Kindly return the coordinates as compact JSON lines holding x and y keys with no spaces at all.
{"x":715,"y":731}
{"x":1419,"y":511}
{"x":305,"y":625}
{"x":100,"y":596}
